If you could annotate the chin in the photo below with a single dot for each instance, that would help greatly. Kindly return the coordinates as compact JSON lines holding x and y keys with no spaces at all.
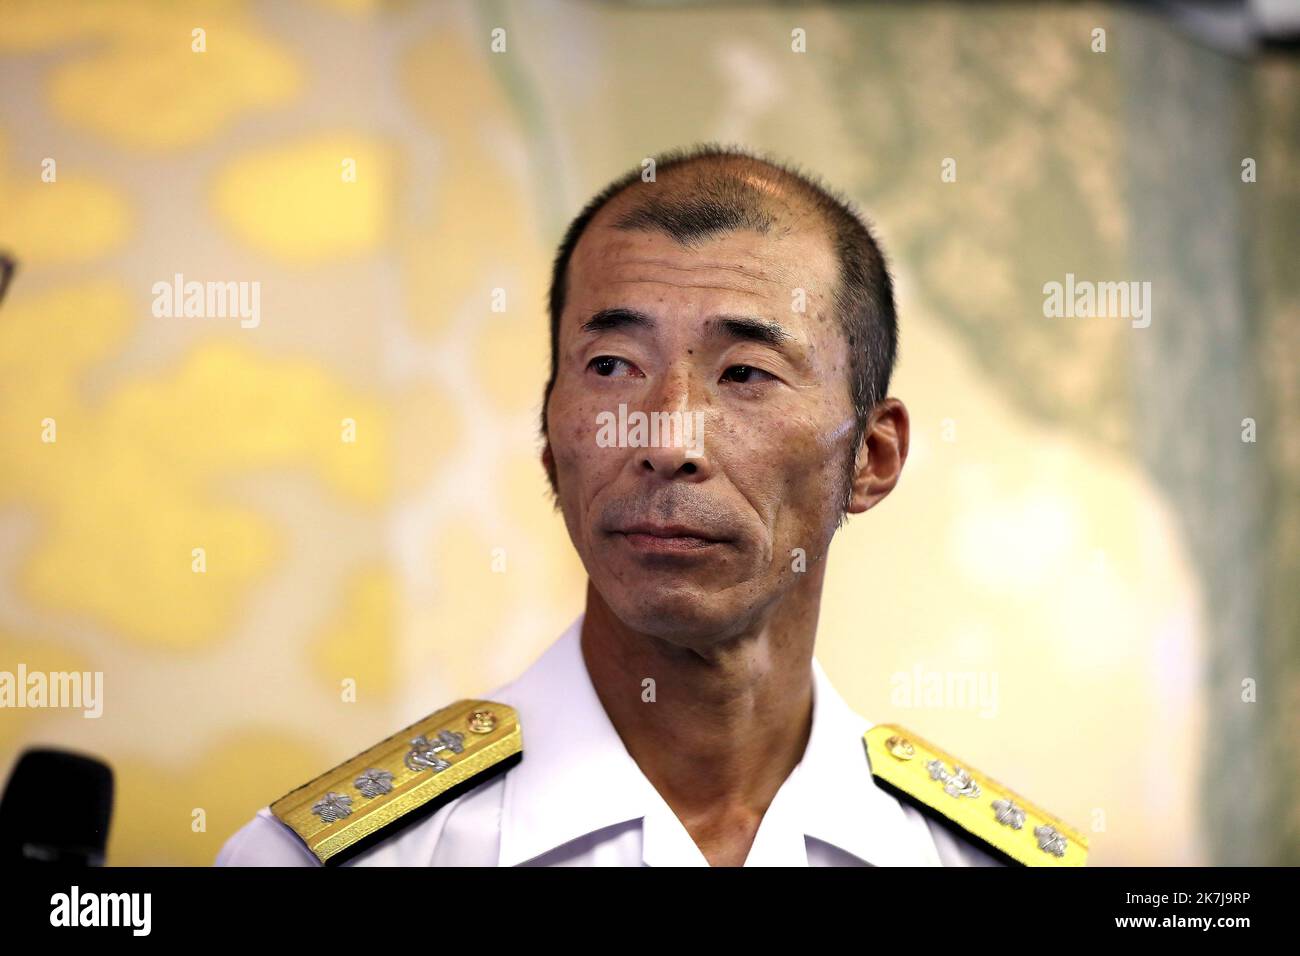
{"x":687,"y":616}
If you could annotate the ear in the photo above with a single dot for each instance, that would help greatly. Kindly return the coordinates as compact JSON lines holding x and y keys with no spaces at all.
{"x":881,"y":455}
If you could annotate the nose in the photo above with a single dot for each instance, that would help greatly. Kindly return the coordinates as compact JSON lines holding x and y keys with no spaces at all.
{"x":676,"y":450}
{"x":673,"y":464}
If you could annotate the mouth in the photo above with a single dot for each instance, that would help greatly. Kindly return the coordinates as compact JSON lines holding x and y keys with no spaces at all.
{"x":668,"y":539}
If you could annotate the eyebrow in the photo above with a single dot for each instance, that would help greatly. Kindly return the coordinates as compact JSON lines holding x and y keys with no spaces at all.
{"x":744,"y":327}
{"x":750,"y":329}
{"x":607,"y":320}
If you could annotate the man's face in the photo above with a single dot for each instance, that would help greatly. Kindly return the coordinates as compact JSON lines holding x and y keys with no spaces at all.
{"x":698,"y":547}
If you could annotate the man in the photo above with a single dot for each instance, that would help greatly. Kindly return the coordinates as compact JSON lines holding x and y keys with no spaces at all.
{"x":747,"y":313}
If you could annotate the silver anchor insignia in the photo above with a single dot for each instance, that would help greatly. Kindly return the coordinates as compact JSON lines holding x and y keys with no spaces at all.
{"x":333,"y":806}
{"x":1008,"y":814}
{"x":423,"y":754}
{"x":1049,"y":841}
{"x":374,"y":783}
{"x":958,"y":783}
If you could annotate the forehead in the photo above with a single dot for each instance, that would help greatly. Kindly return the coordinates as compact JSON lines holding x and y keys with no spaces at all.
{"x":741,"y":264}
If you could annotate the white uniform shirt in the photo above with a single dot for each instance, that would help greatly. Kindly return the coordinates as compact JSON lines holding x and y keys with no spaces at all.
{"x":579,"y":799}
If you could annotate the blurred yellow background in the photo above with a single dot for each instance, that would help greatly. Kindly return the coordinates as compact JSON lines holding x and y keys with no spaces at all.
{"x":1080,"y":520}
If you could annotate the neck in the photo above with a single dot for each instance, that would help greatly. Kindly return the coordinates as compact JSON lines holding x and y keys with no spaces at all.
{"x":727,"y":723}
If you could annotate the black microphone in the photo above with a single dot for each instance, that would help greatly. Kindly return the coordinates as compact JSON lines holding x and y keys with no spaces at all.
{"x":8,"y":265}
{"x":56,"y":809}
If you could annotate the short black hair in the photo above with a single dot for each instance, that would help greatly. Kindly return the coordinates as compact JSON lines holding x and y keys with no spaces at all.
{"x":722,"y":199}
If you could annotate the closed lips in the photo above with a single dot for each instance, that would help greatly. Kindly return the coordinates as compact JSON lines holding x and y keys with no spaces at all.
{"x":668,"y":531}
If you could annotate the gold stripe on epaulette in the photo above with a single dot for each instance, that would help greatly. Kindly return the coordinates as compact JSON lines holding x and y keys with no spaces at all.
{"x":333,"y":812}
{"x":1014,"y":826}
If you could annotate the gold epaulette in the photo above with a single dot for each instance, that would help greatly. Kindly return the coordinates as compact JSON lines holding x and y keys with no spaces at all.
{"x":978,"y":805}
{"x":362,"y":800}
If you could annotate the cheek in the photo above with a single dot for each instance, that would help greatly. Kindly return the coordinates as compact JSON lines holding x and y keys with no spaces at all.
{"x":573,"y":427}
{"x":792,"y":448}
{"x":789,"y":470}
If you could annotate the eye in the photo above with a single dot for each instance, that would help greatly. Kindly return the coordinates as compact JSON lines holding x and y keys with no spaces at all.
{"x":609,"y":366}
{"x":745,"y":375}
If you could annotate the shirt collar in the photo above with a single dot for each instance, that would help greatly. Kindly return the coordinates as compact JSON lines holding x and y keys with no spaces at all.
{"x":840,"y":803}
{"x":577,"y":778}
